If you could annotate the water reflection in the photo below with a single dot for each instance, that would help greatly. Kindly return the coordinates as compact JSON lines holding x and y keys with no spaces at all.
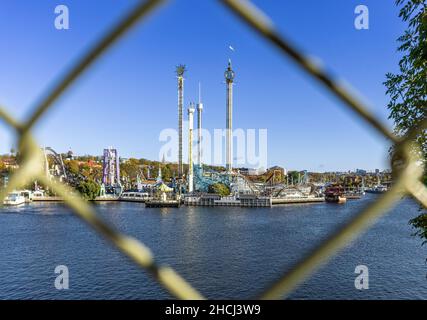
{"x":224,"y":252}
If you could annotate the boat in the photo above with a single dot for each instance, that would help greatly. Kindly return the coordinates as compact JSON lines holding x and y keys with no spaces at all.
{"x":135,"y":196}
{"x":38,"y":194}
{"x":353,"y":193}
{"x":377,"y":189}
{"x":28,"y":195}
{"x":14,"y":199}
{"x":335,"y":194}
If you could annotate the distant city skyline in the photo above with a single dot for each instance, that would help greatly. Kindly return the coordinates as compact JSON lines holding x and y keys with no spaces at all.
{"x":130,"y":96}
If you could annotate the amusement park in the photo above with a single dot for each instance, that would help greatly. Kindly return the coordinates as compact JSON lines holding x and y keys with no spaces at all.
{"x":112,"y":178}
{"x":297,"y":173}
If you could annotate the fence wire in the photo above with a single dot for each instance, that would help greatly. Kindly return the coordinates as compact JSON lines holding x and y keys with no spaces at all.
{"x":407,"y":174}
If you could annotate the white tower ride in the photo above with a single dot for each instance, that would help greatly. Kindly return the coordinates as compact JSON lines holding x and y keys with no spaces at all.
{"x":190,"y":147}
{"x":199,"y":128}
{"x":229,"y":78}
{"x":180,"y":75}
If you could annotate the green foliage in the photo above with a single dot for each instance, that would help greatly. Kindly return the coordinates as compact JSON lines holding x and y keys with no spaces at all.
{"x":130,"y":168}
{"x":89,"y":189}
{"x":219,"y":188}
{"x":408,"y":88}
{"x":420,"y":223}
{"x":293,"y":177}
{"x":215,"y":168}
{"x":180,"y":70}
{"x":87,"y":158}
{"x":166,"y":173}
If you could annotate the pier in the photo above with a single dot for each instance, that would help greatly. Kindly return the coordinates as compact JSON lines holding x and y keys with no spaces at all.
{"x":209,"y":200}
{"x":162,"y":203}
{"x":297,"y":200}
{"x":213,"y":200}
{"x":48,"y":199}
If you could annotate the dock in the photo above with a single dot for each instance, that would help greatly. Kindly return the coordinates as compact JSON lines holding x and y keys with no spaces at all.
{"x":353,"y":196}
{"x":48,"y":199}
{"x":208,"y":200}
{"x":297,"y":200}
{"x":213,"y":200}
{"x":162,"y":203}
{"x":106,"y":198}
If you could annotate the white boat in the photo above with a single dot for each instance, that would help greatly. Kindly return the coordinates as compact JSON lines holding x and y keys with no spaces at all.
{"x":14,"y":199}
{"x":37,"y":195}
{"x":377,"y":189}
{"x":27,"y":194}
{"x":134,"y":196}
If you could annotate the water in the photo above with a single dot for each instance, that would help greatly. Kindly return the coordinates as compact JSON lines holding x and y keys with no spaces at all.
{"x":224,"y":252}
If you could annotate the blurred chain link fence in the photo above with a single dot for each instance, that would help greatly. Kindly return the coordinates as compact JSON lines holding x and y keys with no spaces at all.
{"x":407,"y":170}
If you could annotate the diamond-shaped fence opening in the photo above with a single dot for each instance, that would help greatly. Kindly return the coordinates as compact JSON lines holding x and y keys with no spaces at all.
{"x":407,"y":173}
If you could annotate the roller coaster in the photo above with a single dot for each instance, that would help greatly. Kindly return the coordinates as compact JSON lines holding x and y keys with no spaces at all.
{"x":237,"y":182}
{"x":54,"y":165}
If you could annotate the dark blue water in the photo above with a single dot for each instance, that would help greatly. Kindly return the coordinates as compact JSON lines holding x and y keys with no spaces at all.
{"x":224,"y":252}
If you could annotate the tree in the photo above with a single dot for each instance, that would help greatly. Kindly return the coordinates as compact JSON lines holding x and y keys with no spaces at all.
{"x":167,"y":173}
{"x":89,"y":189}
{"x":293,"y":177}
{"x":130,"y":169}
{"x":72,"y":166}
{"x":408,"y":88}
{"x":219,"y":188}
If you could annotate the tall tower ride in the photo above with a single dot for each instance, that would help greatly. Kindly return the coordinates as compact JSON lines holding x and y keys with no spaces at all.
{"x":199,"y":128}
{"x":180,"y":70}
{"x":111,"y":168}
{"x":190,"y":147}
{"x":229,"y":78}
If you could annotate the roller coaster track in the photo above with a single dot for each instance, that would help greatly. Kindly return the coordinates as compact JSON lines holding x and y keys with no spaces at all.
{"x":57,"y":159}
{"x":249,"y":183}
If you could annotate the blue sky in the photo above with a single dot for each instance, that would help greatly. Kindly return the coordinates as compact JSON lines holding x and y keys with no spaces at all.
{"x":129,"y":95}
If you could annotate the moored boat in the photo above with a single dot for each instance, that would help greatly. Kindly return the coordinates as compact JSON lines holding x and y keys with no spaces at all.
{"x":27,"y":194}
{"x":135,"y":196}
{"x":377,"y":189}
{"x":335,"y":194}
{"x":14,"y":199}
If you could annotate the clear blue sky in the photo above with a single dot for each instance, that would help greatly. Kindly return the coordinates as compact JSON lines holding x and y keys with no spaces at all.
{"x":129,"y":96}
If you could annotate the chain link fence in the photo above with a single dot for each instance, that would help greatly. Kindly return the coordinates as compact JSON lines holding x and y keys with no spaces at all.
{"x":407,"y":170}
